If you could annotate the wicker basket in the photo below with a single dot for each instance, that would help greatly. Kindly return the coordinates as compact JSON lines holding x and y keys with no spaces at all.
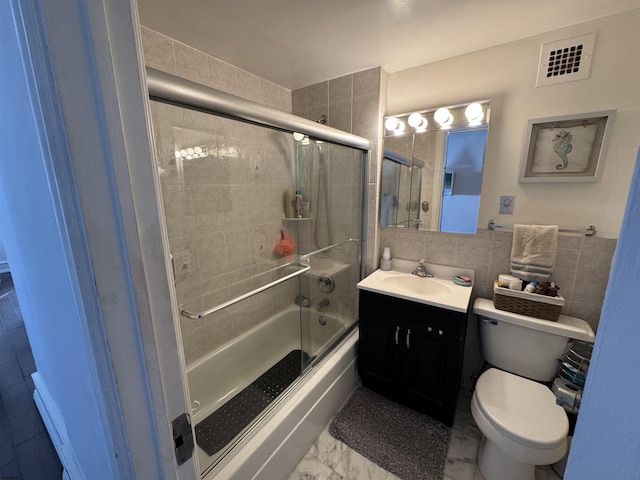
{"x":525,"y":303}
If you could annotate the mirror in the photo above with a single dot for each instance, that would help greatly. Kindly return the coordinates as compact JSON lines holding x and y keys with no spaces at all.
{"x":432,"y":168}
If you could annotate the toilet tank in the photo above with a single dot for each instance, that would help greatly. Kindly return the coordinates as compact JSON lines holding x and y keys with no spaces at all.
{"x":526,"y":346}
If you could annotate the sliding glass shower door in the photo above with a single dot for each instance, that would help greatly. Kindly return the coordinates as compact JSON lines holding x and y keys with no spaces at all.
{"x":265,"y":233}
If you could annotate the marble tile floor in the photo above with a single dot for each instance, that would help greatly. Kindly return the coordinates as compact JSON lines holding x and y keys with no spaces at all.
{"x":330,"y":459}
{"x":26,"y":452}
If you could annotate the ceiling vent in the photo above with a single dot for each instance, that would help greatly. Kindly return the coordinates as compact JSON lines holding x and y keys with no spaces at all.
{"x":566,"y":60}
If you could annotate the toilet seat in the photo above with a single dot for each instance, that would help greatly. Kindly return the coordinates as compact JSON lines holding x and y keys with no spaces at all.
{"x":522,"y":410}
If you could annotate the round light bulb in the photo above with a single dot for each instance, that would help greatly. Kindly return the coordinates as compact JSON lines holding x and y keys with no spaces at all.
{"x":391,"y":123}
{"x":298,"y":136}
{"x":443,"y":117}
{"x":474,"y":113}
{"x":183,"y":153}
{"x":178,"y":154}
{"x":198,"y":150}
{"x":399,"y":130}
{"x":417,"y":121}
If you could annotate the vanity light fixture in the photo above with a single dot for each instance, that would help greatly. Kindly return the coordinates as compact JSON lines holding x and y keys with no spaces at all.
{"x":452,"y":117}
{"x":443,"y":117}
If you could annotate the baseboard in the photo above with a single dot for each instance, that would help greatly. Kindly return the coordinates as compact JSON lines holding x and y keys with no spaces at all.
{"x":54,"y":423}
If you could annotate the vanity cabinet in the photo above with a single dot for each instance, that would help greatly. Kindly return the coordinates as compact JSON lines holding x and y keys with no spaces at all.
{"x":412,"y":352}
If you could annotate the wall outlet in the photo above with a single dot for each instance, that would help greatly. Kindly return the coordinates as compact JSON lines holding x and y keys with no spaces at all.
{"x":506,"y":204}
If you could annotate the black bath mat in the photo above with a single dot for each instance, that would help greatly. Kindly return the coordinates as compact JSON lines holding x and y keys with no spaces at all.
{"x":219,"y":428}
{"x":409,"y":444}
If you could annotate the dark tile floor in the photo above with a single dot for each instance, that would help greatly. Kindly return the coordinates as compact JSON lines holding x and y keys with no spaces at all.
{"x":26,"y":452}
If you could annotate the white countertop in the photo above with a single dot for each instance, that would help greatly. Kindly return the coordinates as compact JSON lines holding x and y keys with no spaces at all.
{"x":439,"y":291}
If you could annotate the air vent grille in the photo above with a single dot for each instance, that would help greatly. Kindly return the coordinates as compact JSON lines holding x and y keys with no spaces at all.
{"x":565,"y":60}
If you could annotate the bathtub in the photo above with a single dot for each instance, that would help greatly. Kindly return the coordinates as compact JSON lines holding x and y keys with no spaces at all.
{"x":292,"y":419}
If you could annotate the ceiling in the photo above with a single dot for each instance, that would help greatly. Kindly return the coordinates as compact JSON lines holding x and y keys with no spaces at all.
{"x":296,"y":43}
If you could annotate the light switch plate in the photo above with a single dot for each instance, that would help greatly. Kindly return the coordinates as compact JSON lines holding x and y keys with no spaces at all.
{"x":506,"y":204}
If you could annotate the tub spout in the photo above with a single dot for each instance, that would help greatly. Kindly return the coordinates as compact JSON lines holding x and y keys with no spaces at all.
{"x":322,"y":303}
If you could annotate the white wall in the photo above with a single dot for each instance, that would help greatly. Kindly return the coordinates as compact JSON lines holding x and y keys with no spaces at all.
{"x":507,"y":74}
{"x":40,"y":254}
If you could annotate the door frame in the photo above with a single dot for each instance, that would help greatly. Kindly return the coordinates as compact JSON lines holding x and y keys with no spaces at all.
{"x":83,"y":64}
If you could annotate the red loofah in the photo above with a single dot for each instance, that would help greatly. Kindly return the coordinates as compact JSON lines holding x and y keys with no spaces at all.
{"x":286,"y":246}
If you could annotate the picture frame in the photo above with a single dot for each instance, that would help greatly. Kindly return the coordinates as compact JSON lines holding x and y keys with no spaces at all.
{"x":568,"y":148}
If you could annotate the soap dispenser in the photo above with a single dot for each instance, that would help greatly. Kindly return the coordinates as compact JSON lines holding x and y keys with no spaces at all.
{"x":385,"y":263}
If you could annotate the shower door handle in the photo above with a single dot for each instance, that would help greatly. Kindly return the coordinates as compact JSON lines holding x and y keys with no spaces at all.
{"x":408,"y":335}
{"x":397,"y":332}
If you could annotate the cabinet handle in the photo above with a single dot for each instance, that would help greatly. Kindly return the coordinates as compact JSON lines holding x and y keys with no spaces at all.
{"x":408,"y":334}
{"x":397,"y":331}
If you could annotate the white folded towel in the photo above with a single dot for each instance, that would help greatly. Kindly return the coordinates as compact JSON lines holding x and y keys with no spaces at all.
{"x":533,"y":253}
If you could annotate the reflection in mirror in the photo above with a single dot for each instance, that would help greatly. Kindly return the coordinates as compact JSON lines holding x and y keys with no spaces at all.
{"x":400,"y":190}
{"x":432,"y":168}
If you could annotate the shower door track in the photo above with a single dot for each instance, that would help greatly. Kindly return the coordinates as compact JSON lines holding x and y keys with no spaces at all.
{"x":168,"y":88}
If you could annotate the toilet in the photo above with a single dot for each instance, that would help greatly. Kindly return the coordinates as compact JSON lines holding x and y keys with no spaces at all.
{"x":521,"y":423}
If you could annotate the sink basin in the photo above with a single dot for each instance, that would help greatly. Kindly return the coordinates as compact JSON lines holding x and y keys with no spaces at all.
{"x":417,"y":285}
{"x":439,"y":291}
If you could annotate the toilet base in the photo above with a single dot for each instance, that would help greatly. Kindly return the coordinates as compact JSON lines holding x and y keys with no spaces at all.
{"x":494,"y":465}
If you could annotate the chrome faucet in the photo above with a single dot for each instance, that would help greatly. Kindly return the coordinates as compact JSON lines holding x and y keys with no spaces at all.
{"x":421,"y":269}
{"x":322,"y":303}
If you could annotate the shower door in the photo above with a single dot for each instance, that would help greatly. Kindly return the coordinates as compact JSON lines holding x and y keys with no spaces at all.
{"x":264,"y":230}
{"x":331,"y":177}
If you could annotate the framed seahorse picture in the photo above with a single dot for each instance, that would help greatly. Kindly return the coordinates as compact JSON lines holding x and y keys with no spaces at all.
{"x":569,"y":148}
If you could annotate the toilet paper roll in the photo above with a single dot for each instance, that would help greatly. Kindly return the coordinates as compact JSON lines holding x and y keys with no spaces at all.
{"x":515,"y":284}
{"x":504,"y":280}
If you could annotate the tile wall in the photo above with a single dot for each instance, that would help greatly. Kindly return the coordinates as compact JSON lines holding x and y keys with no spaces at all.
{"x":353,"y":103}
{"x":582,"y":270}
{"x":165,"y":54}
{"x":224,"y":211}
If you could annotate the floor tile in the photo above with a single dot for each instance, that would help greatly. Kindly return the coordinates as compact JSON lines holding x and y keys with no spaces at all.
{"x":26,"y":452}
{"x":347,"y":464}
{"x":38,"y":447}
{"x":327,"y":449}
{"x":310,"y":468}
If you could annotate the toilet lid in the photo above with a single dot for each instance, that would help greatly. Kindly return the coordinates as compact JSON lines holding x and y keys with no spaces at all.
{"x":521,"y":409}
